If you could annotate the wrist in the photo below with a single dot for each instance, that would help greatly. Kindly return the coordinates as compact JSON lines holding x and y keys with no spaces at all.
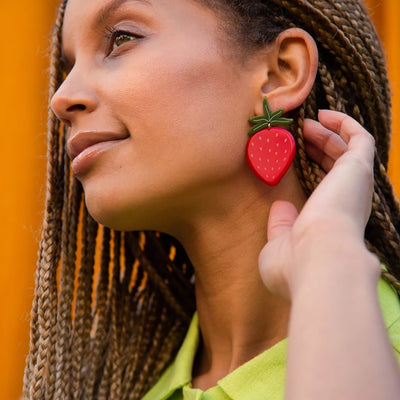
{"x":358,"y":268}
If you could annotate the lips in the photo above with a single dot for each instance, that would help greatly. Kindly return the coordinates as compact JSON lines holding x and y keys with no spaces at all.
{"x":83,"y":147}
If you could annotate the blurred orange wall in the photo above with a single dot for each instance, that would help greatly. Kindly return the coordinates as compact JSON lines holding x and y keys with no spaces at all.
{"x":25,"y":27}
{"x":25,"y":30}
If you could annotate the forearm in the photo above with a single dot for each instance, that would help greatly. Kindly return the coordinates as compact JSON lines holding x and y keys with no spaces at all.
{"x":338,"y":345}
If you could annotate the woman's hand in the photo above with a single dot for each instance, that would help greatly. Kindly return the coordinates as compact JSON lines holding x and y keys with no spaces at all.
{"x":330,"y":227}
{"x":338,"y":344}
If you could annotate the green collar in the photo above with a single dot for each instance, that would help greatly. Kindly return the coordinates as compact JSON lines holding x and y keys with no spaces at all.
{"x":261,"y":376}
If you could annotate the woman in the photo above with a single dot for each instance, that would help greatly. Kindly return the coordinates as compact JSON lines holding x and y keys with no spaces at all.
{"x":155,"y":98}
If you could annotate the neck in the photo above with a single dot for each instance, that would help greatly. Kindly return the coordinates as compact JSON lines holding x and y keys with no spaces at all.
{"x":239,"y":318}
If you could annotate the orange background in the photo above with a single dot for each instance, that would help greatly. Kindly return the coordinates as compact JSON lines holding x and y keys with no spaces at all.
{"x":25,"y":30}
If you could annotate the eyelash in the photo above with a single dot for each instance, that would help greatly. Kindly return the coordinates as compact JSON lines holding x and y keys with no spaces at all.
{"x":114,"y":33}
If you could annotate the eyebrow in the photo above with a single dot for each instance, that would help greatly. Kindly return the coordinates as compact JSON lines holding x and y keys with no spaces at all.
{"x":101,"y":17}
{"x":112,"y":6}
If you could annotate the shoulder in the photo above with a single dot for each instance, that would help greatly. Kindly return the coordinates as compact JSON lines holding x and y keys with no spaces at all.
{"x":390,"y":305}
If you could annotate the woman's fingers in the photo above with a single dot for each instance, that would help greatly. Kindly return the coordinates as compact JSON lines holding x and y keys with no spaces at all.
{"x":351,"y":132}
{"x":348,"y":186}
{"x":322,"y":144}
{"x":319,"y":156}
{"x":282,"y":216}
{"x":327,"y":141}
{"x":275,"y":256}
{"x":335,"y":134}
{"x":360,"y":144}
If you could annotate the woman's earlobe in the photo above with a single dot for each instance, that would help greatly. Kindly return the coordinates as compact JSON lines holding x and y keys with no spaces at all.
{"x":292,"y":68}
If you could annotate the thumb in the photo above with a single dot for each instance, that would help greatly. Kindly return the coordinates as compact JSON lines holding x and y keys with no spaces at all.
{"x":275,"y":256}
{"x":282,"y":216}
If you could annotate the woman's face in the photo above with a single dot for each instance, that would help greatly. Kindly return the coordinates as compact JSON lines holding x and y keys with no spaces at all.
{"x":157,"y":109}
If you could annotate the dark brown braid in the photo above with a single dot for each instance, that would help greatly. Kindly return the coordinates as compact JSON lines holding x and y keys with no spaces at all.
{"x":110,"y":308}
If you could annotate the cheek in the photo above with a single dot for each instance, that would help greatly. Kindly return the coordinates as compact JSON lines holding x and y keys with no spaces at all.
{"x":193,"y":101}
{"x":174,"y":80}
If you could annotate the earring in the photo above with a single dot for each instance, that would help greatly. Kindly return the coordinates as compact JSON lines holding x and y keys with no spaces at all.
{"x":270,"y":150}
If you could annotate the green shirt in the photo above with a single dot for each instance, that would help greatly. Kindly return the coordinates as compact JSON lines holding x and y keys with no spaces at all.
{"x":263,"y":377}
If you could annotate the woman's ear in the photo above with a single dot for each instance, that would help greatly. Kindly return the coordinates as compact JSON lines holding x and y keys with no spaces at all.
{"x":290,"y":70}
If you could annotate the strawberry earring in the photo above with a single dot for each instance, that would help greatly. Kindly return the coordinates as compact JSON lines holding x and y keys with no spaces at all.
{"x":270,"y":150}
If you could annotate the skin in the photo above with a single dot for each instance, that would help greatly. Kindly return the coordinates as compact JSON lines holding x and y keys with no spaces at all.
{"x":353,"y":355}
{"x":177,"y":100}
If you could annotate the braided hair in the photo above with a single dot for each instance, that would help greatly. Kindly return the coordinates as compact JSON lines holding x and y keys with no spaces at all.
{"x":111,"y":308}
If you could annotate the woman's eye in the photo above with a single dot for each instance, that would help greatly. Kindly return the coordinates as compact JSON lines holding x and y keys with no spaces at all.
{"x":117,"y":38}
{"x":121,"y":38}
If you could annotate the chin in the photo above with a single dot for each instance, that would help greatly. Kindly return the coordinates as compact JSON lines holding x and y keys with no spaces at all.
{"x":122,"y":217}
{"x":112,"y":218}
{"x":105,"y":206}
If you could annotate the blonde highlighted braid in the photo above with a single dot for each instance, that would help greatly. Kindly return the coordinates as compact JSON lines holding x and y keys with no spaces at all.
{"x":108,"y":332}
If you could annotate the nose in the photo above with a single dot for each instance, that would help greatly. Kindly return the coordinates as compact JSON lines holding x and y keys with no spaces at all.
{"x":73,"y":98}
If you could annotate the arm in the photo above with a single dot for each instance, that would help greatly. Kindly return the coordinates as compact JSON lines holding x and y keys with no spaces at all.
{"x":338,"y":345}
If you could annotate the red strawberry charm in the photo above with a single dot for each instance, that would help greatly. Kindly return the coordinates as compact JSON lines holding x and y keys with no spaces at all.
{"x":270,"y":150}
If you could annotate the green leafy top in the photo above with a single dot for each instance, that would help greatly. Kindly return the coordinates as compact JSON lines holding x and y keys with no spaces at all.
{"x":268,"y":120}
